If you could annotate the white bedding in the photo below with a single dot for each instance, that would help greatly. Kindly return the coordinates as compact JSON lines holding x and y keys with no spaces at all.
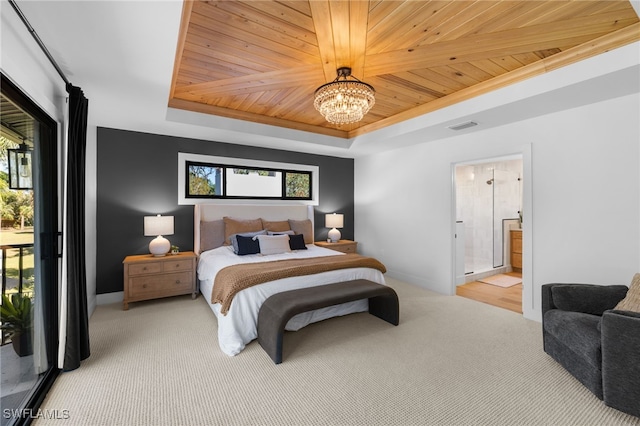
{"x":239,"y":326}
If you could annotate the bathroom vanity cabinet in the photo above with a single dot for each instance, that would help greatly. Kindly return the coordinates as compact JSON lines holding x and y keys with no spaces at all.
{"x":516,"y":250}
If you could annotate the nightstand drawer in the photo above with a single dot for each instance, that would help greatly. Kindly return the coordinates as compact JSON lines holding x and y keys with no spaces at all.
{"x":344,"y":246}
{"x":157,"y":285}
{"x":347,"y":248}
{"x":145,"y":268}
{"x":178,"y":265}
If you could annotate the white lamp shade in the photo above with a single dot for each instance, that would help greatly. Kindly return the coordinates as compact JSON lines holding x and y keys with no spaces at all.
{"x":158,"y":225}
{"x":334,"y":220}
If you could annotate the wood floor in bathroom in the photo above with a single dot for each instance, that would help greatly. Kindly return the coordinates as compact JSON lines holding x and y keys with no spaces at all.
{"x":507,"y":298}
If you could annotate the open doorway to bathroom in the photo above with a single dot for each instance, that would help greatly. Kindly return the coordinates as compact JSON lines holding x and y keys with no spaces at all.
{"x":488,"y":230}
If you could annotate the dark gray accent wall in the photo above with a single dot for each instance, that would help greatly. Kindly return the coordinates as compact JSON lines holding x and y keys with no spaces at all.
{"x":137,"y":176}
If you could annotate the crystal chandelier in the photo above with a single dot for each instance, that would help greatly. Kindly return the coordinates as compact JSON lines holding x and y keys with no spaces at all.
{"x":344,"y":101}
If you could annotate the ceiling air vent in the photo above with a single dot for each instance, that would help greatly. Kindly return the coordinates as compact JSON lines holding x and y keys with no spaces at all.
{"x":464,"y":125}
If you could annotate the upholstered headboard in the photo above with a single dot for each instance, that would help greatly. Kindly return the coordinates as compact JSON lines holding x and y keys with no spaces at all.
{"x":208,"y":218}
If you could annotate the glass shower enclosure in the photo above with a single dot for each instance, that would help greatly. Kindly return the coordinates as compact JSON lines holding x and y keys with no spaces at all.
{"x":488,"y":204}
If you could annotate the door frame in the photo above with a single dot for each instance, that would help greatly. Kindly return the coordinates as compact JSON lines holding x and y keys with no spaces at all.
{"x":528,"y":296}
{"x":48,"y":240}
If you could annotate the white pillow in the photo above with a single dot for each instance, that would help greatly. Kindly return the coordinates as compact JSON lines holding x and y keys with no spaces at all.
{"x":273,"y":244}
{"x":289,"y":232}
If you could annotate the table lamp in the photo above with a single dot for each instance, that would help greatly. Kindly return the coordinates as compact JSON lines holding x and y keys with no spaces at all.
{"x":159,"y":226}
{"x":334,"y":221}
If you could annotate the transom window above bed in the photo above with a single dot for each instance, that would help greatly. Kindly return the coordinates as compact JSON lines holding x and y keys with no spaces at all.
{"x":207,"y":178}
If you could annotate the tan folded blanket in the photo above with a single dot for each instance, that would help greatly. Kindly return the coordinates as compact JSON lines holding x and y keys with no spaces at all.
{"x":232,"y":279}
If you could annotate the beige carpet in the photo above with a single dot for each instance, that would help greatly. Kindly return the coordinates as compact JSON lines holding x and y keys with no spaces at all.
{"x":451,"y":361}
{"x":501,"y":280}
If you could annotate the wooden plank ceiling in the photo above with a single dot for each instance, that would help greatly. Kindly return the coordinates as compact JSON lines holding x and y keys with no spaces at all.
{"x":261,"y":61}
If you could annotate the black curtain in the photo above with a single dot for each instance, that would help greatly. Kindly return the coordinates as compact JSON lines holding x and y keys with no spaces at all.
{"x":77,"y":343}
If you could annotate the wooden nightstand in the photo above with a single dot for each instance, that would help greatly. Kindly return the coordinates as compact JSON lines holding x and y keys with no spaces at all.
{"x":147,"y":277}
{"x":345,"y":246}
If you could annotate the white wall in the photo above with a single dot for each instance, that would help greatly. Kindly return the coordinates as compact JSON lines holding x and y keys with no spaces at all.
{"x":24,"y":63}
{"x":585,"y":189}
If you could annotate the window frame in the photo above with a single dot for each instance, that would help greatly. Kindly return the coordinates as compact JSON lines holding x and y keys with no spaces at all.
{"x":224,"y":164}
{"x":186,"y":179}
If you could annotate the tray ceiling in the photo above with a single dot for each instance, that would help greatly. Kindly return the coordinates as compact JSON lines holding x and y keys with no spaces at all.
{"x":261,"y":61}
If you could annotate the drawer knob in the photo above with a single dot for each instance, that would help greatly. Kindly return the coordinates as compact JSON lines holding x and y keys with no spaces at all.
{"x":144,"y":269}
{"x":177,"y":281}
{"x":177,"y":265}
{"x":144,"y":286}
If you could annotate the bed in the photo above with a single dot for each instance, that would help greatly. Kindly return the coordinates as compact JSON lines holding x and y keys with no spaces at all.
{"x":237,"y":319}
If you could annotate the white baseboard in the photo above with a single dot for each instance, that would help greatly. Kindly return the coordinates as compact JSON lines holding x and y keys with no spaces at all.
{"x":108,"y":298}
{"x":91,"y":306}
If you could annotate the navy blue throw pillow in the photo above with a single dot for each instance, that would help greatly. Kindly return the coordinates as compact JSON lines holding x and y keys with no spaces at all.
{"x":246,"y":245}
{"x":296,"y":242}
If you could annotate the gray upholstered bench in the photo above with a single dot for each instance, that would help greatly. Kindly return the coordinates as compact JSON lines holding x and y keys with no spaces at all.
{"x":278,"y":309}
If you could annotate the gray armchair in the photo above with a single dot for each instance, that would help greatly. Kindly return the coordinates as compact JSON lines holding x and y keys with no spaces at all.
{"x":599,"y":346}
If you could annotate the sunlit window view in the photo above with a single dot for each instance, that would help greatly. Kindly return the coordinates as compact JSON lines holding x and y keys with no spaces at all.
{"x":298,"y":185}
{"x":20,"y":370}
{"x":206,"y":180}
{"x":253,"y":183}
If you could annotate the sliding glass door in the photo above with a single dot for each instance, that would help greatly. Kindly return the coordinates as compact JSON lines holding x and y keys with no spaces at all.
{"x":29,"y":263}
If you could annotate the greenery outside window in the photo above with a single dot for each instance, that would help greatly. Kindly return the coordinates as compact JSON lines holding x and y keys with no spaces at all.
{"x":298,"y":185}
{"x":231,"y":181}
{"x":204,"y":180}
